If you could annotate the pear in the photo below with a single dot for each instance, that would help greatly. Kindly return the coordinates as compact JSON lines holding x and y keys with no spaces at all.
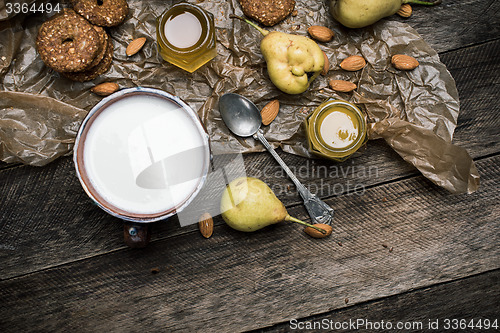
{"x":248,"y":204}
{"x":362,"y":13}
{"x":293,"y":61}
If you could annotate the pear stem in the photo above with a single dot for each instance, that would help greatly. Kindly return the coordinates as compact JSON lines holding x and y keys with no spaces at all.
{"x":420,"y":2}
{"x":293,"y":219}
{"x":262,"y":31}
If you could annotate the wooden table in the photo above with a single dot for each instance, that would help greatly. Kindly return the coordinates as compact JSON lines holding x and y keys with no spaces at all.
{"x":405,"y":251}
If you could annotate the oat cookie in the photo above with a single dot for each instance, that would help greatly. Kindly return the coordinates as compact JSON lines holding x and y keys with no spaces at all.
{"x":267,"y":12}
{"x":67,"y":42}
{"x":105,"y":13}
{"x":103,"y":37}
{"x":102,"y":67}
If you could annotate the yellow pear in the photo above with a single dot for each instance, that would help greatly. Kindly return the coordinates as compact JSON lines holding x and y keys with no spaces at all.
{"x":293,"y":61}
{"x":362,"y":13}
{"x":248,"y":204}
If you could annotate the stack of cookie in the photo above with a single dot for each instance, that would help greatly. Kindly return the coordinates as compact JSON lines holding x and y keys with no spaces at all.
{"x":74,"y":42}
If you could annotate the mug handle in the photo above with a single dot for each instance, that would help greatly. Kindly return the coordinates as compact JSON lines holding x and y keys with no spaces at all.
{"x":136,"y":235}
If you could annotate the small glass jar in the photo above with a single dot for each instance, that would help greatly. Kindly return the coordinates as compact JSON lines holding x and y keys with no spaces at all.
{"x":336,"y":130}
{"x":185,"y":35}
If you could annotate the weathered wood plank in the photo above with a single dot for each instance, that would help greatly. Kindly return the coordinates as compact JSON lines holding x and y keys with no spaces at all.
{"x":48,"y":221}
{"x":475,"y":299}
{"x":46,"y":218}
{"x":476,"y":71}
{"x":397,"y":237}
{"x":4,"y":165}
{"x":27,"y":209}
{"x":456,"y":24}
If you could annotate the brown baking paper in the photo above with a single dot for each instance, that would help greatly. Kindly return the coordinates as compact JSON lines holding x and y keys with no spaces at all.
{"x":415,"y":112}
{"x":36,"y":129}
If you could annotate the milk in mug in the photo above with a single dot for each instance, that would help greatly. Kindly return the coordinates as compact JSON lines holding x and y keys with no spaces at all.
{"x":142,"y":156}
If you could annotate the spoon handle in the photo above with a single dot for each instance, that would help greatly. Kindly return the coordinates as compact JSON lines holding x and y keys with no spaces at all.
{"x":318,"y":210}
{"x":260,"y":136}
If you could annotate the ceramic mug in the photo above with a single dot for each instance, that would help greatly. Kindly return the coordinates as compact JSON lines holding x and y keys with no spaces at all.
{"x":141,"y":155}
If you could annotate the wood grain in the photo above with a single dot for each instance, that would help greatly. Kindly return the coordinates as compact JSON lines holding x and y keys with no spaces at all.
{"x":471,"y":298}
{"x":396,"y":252}
{"x":456,"y":24}
{"x":236,"y":281}
{"x":46,"y":218}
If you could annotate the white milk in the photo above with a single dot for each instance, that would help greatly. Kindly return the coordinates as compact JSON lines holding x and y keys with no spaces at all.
{"x":144,"y":155}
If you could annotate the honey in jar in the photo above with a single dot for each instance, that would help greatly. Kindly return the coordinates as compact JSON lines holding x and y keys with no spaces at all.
{"x":186,"y":36}
{"x":336,"y":129}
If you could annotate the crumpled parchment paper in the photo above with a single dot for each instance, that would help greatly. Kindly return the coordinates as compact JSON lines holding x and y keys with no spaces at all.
{"x":414,"y":112}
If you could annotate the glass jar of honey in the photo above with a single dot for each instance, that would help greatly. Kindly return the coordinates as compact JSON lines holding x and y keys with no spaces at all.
{"x":185,"y":35}
{"x":336,"y":130}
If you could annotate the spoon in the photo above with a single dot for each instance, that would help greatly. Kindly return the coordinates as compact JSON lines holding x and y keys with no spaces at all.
{"x":243,"y":118}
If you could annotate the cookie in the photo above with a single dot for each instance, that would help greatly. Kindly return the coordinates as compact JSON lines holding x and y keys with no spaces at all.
{"x":105,"y":13}
{"x":67,"y":42}
{"x":102,"y":67}
{"x":103,"y":37}
{"x":267,"y":12}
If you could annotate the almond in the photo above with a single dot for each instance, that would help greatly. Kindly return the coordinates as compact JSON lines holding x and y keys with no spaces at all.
{"x":353,"y":63}
{"x":326,"y":66}
{"x":404,"y":62}
{"x":105,"y":89}
{"x":318,"y":234}
{"x":320,"y":33}
{"x":270,"y":111}
{"x":206,"y":225}
{"x":135,"y":46}
{"x":342,"y":86}
{"x":405,"y":10}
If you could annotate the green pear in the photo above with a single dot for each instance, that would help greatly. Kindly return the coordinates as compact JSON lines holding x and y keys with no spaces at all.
{"x":362,"y":13}
{"x":293,"y":61}
{"x":248,"y":204}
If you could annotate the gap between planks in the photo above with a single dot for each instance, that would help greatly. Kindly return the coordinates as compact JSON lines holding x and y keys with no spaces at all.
{"x":383,"y":304}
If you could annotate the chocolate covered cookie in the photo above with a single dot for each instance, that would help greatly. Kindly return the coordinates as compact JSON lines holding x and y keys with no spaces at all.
{"x":105,"y":13}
